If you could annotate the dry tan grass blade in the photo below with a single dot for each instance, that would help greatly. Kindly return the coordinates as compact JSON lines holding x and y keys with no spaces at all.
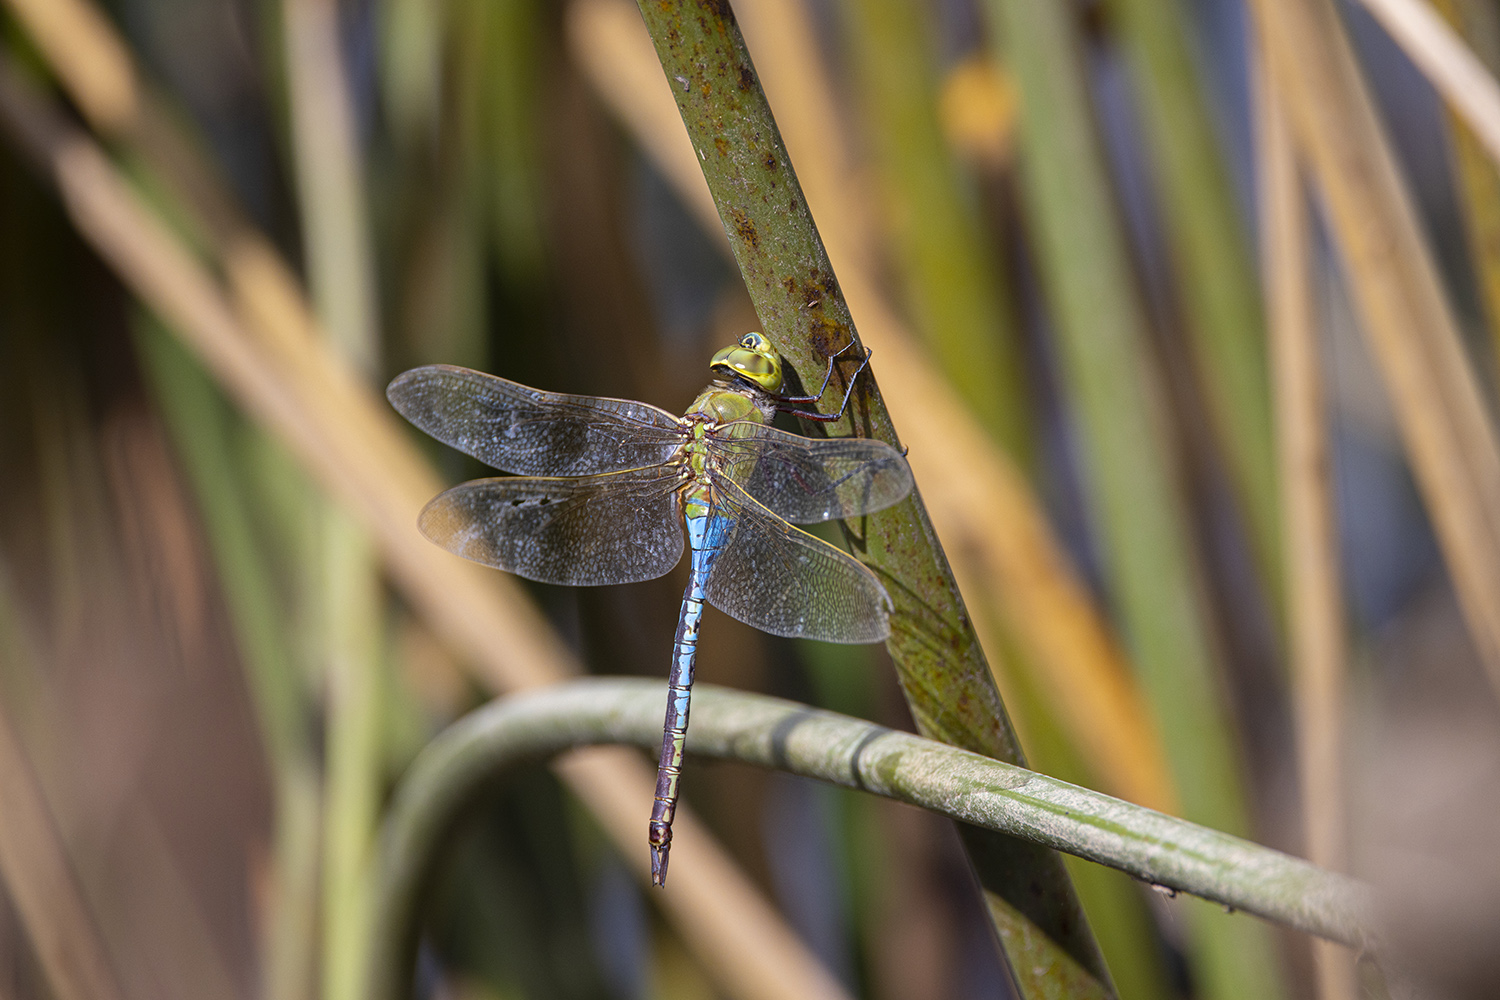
{"x":1452,"y":67}
{"x":1315,"y":611}
{"x":41,"y":883}
{"x":88,"y":54}
{"x":1405,"y":313}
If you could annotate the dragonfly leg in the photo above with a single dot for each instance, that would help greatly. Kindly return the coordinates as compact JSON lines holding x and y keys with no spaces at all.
{"x":827,"y":377}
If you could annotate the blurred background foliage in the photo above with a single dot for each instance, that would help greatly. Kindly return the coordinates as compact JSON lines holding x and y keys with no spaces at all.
{"x":211,"y":674}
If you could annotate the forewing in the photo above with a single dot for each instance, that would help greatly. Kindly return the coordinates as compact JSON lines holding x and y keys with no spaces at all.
{"x":615,"y":528}
{"x":806,"y":480}
{"x":782,"y":580}
{"x":523,"y":430}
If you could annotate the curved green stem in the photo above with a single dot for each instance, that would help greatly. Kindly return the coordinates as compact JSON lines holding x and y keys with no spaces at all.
{"x":980,"y":791}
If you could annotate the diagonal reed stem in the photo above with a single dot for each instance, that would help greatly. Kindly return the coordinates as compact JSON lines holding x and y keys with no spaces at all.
{"x":974,"y":493}
{"x":940,"y":664}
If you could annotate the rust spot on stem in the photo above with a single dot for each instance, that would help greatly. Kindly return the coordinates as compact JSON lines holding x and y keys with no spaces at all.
{"x":744,"y":227}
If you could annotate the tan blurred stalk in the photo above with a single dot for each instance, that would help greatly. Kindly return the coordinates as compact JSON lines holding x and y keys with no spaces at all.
{"x":1476,"y":174}
{"x":349,"y":442}
{"x":1451,"y":66}
{"x":330,"y":183}
{"x":991,"y":523}
{"x":1315,"y":612}
{"x":42,"y":885}
{"x":943,"y":260}
{"x":1402,"y":305}
{"x":88,"y":54}
{"x":337,"y":240}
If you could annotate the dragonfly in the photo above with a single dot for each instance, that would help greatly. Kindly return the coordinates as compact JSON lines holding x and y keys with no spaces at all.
{"x":603,"y":489}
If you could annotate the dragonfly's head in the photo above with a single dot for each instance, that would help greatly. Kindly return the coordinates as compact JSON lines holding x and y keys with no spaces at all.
{"x":752,"y":359}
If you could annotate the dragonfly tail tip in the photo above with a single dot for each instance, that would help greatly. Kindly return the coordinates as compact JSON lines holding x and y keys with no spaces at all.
{"x":658,"y":866}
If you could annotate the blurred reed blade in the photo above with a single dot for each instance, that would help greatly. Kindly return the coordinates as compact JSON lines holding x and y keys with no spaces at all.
{"x":330,"y":183}
{"x":942,"y":669}
{"x":199,"y":427}
{"x":953,"y":286}
{"x":1210,"y":253}
{"x":197,"y":418}
{"x":350,"y":443}
{"x":980,"y":502}
{"x":87,"y":53}
{"x":1315,"y":606}
{"x":1450,"y":65}
{"x":410,"y":61}
{"x":504,"y":47}
{"x":1477,"y":177}
{"x":339,"y":253}
{"x":1114,"y":395}
{"x":39,"y":878}
{"x":1401,"y":302}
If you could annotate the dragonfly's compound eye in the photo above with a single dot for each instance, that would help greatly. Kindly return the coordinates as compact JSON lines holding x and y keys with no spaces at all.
{"x":752,"y":359}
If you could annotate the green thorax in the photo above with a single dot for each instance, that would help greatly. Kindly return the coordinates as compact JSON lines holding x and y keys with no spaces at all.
{"x":718,"y":410}
{"x":722,"y":403}
{"x":748,"y":375}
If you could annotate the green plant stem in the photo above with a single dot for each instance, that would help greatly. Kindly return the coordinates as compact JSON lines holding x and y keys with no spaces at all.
{"x":1474,"y":173}
{"x":942,"y":669}
{"x":351,"y":811}
{"x":336,"y":232}
{"x":474,"y":753}
{"x":1114,"y":393}
{"x":1211,"y":254}
{"x":954,"y":287}
{"x":198,"y":419}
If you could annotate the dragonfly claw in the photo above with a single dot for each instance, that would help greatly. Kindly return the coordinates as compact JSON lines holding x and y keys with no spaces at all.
{"x":659,"y":865}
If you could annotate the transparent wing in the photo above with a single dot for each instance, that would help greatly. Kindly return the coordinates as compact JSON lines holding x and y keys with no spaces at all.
{"x":782,"y":580}
{"x":615,"y":528}
{"x":806,"y":480}
{"x":519,"y":429}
